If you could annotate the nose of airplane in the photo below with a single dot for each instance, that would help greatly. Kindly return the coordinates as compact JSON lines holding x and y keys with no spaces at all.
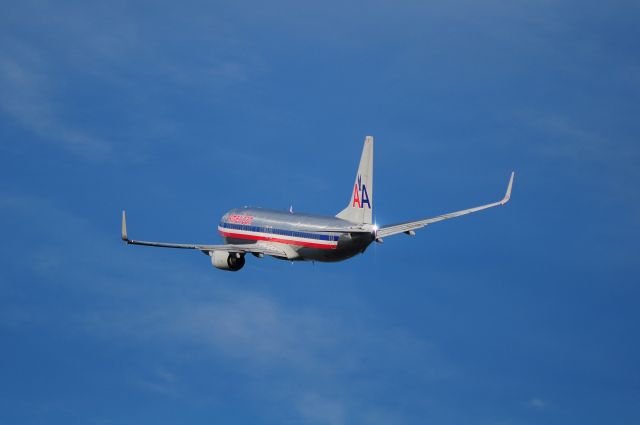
{"x":225,"y":217}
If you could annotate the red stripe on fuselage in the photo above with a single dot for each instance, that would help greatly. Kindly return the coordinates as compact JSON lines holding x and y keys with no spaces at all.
{"x":272,"y":239}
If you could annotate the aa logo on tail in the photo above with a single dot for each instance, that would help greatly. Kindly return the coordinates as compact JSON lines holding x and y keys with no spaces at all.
{"x":360,"y":195}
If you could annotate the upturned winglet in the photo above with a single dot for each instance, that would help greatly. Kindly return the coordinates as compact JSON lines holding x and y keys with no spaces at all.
{"x":507,"y":195}
{"x":124,"y":227}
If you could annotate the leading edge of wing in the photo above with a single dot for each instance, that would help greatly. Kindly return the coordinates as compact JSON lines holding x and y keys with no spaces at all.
{"x":254,"y":248}
{"x":409,"y":226}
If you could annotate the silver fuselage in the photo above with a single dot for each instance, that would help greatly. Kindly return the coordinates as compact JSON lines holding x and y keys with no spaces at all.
{"x":300,"y":235}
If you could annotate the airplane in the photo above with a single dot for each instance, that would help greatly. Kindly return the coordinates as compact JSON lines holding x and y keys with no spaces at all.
{"x":306,"y":237}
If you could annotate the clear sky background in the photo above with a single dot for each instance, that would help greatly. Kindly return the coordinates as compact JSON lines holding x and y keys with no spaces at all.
{"x":179,"y":111}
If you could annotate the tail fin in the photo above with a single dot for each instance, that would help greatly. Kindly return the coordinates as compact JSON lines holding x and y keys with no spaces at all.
{"x":360,"y":208}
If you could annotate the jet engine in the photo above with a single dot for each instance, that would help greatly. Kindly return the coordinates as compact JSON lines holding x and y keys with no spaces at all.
{"x":224,"y":260}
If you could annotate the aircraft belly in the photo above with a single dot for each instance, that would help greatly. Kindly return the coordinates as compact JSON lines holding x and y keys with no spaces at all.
{"x":344,"y":250}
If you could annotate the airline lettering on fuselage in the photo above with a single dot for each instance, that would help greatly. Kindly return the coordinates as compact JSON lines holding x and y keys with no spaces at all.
{"x":360,"y":195}
{"x":240,"y":219}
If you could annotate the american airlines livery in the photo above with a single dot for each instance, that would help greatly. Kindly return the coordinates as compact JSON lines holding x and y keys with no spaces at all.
{"x":296,"y":237}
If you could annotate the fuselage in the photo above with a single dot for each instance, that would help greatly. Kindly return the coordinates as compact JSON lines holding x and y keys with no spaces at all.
{"x":300,"y":235}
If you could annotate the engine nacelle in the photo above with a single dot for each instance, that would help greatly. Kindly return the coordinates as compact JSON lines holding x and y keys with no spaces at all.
{"x":224,"y":260}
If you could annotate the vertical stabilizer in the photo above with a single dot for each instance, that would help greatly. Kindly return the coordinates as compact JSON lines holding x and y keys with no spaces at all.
{"x":360,"y":207}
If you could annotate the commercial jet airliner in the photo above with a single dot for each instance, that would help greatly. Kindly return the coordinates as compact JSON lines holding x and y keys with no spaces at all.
{"x":298,"y":237}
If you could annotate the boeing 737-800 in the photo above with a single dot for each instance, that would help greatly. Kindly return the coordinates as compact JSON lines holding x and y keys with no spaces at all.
{"x":297,"y":237}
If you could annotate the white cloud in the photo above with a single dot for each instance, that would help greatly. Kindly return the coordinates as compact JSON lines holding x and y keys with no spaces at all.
{"x":290,"y":356}
{"x":326,"y":369}
{"x":159,"y":381}
{"x":537,"y":403}
{"x":114,"y":55}
{"x":319,"y":410}
{"x":26,"y":96}
{"x":568,"y":140}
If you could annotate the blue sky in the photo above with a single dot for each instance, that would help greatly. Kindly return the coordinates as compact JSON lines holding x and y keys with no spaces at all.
{"x":178,"y":112}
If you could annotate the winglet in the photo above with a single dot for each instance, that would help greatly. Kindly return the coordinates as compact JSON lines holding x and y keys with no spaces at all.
{"x":124,"y":227}
{"x":507,"y":195}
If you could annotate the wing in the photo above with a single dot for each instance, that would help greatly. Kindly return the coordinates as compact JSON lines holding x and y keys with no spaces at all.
{"x":253,"y":248}
{"x":409,"y":226}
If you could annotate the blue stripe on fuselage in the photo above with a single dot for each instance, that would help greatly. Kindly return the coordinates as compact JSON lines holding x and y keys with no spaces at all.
{"x":283,"y":232}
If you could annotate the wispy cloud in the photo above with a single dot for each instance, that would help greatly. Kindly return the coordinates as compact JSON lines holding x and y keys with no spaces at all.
{"x":537,"y":403}
{"x":159,"y":381}
{"x":567,"y":139}
{"x":54,"y":76}
{"x":317,"y":359}
{"x":26,"y":94}
{"x":326,"y":369}
{"x":320,"y":410}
